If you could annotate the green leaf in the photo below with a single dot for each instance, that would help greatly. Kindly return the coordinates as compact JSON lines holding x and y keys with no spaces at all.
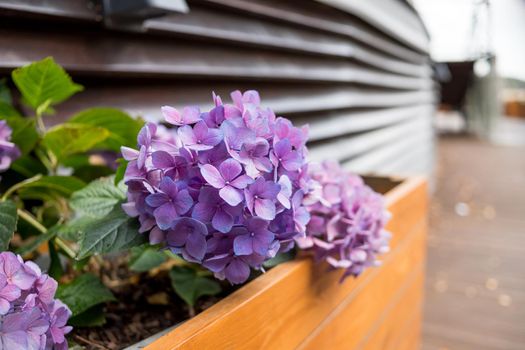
{"x":66,"y":139}
{"x":55,"y":269}
{"x":24,"y":133}
{"x":83,"y":292}
{"x":145,"y":258}
{"x":28,"y":166}
{"x":44,"y":82}
{"x":74,"y":229}
{"x":92,"y":317}
{"x":123,"y":128}
{"x":112,"y":233}
{"x":98,"y":198}
{"x":8,"y":220}
{"x":6,"y":111}
{"x":119,"y":174}
{"x":5,"y":93}
{"x":190,"y":286}
{"x":51,"y":187}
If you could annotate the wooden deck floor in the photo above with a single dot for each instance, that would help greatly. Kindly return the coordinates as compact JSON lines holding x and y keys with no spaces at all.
{"x":475,"y":286}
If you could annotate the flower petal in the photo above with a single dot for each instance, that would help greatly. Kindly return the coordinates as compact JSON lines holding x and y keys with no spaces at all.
{"x":156,"y":236}
{"x":130,"y":208}
{"x":270,"y":190}
{"x":191,"y":114}
{"x":282,"y":148}
{"x":222,"y":221}
{"x":4,"y":306}
{"x":265,"y":209}
{"x":230,"y":169}
{"x":202,"y":212}
{"x":292,"y":161}
{"x":217,"y":263}
{"x":176,"y":238}
{"x":241,"y":182}
{"x":157,"y":199}
{"x":164,"y":215}
{"x":183,"y":202}
{"x":200,"y":130}
{"x":129,"y":153}
{"x":162,"y":159}
{"x":10,"y":292}
{"x":213,"y":137}
{"x":243,"y":245}
{"x":237,"y":271}
{"x":231,"y":195}
{"x":171,"y":115}
{"x":212,"y":176}
{"x":196,"y":245}
{"x":262,"y":241}
{"x":186,"y":135}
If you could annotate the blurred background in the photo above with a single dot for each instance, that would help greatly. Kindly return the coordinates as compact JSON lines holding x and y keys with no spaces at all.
{"x":389,"y":87}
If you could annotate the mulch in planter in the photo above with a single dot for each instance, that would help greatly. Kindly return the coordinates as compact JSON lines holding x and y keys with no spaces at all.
{"x":146,"y":304}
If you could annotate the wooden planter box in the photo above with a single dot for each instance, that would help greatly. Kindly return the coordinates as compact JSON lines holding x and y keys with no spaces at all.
{"x":299,"y":305}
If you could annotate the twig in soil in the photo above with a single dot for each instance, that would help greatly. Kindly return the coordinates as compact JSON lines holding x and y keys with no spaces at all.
{"x":82,"y":339}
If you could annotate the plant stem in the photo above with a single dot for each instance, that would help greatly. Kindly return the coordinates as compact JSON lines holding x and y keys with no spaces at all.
{"x":34,"y":222}
{"x":19,"y":185}
{"x":31,"y":220}
{"x":70,"y":253}
{"x":39,"y":122}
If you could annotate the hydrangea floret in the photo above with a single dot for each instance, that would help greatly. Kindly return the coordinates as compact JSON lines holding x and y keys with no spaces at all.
{"x":346,"y":228}
{"x":222,"y":188}
{"x":30,"y":317}
{"x":9,"y":152}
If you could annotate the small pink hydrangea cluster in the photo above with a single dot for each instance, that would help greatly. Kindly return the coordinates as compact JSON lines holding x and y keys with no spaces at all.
{"x":347,"y":220}
{"x":30,"y":317}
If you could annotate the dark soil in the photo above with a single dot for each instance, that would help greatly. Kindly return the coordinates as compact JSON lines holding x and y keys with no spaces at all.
{"x":146,"y":305}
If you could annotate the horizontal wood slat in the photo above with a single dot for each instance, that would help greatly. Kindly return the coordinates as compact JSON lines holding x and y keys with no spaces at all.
{"x":256,"y":32}
{"x":317,"y":17}
{"x":394,"y":18}
{"x":146,"y":100}
{"x":134,"y":56}
{"x":339,"y":123}
{"x":300,"y":293}
{"x":351,"y":147}
{"x":373,"y":161}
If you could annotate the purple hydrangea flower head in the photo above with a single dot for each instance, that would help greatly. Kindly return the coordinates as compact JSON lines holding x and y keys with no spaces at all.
{"x":30,"y":317}
{"x":9,"y":152}
{"x":220,"y":190}
{"x":347,"y":220}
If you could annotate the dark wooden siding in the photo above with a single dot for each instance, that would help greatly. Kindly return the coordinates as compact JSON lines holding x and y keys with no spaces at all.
{"x":357,"y":71}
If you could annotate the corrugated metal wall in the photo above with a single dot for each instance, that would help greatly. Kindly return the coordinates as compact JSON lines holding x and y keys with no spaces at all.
{"x":357,"y":71}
